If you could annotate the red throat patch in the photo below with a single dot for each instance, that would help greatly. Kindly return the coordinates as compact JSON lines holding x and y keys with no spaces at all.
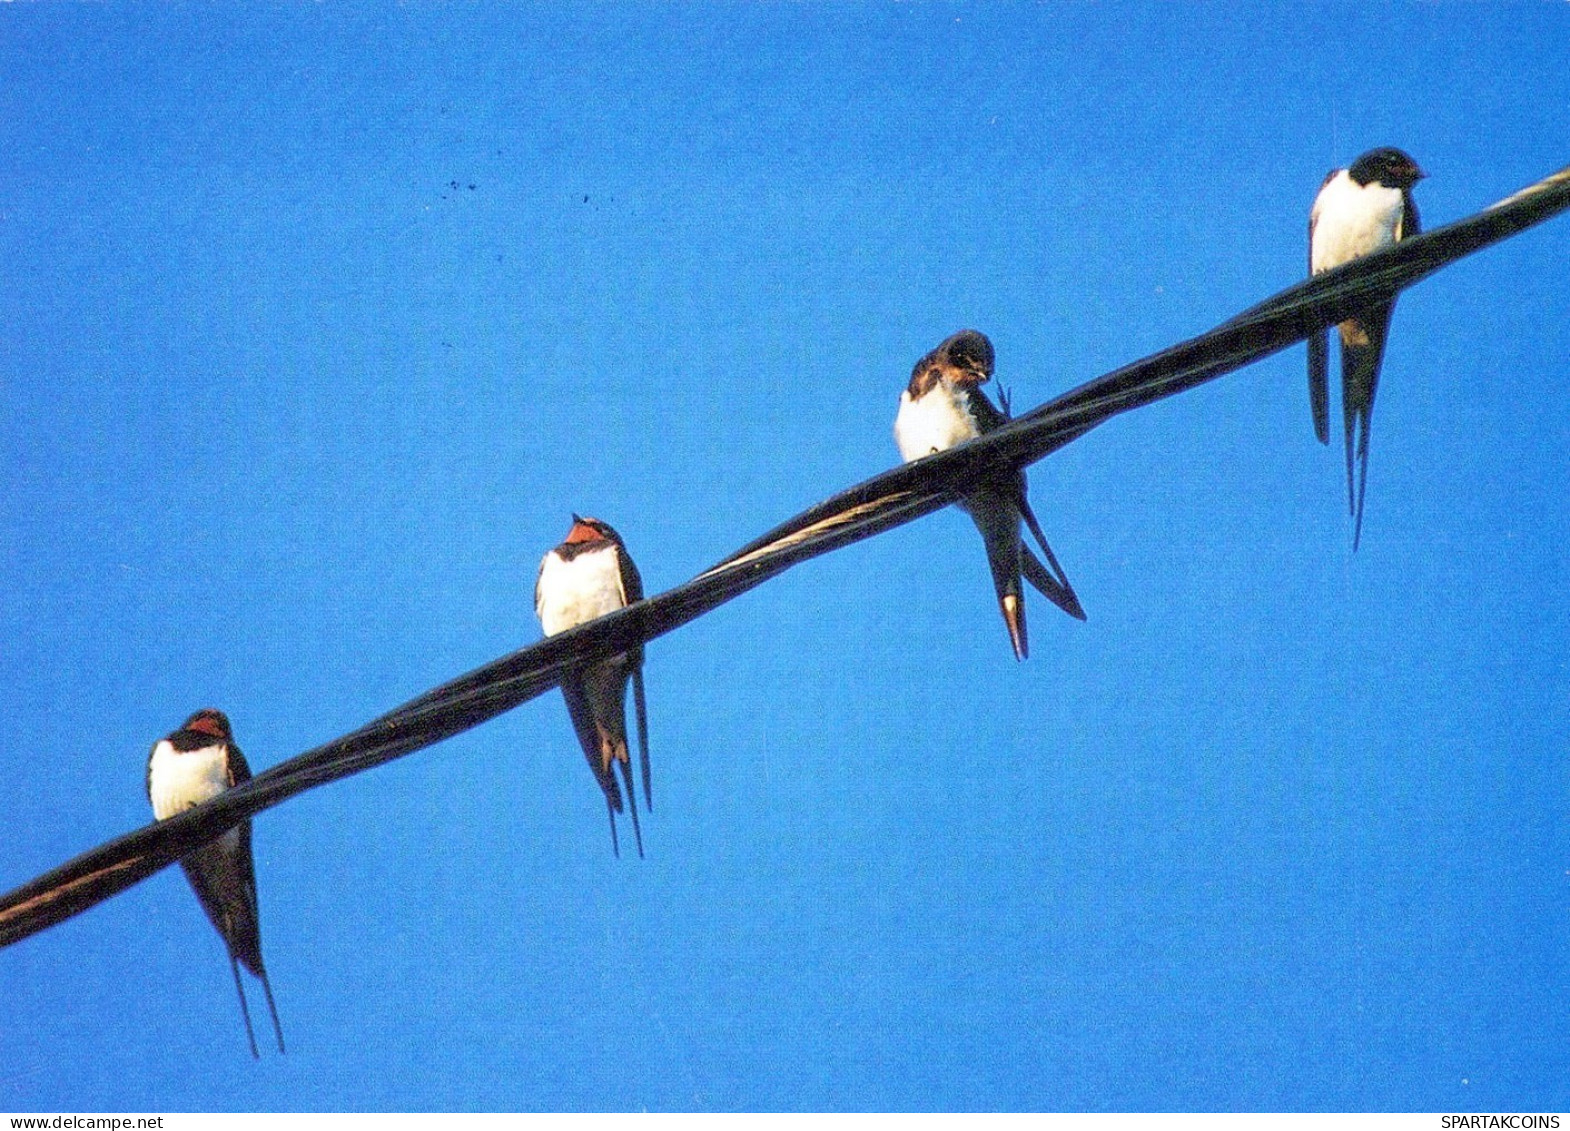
{"x":584,"y":530}
{"x":209,"y":722}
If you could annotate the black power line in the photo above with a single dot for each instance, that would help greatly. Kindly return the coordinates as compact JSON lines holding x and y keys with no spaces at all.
{"x":880,"y":503}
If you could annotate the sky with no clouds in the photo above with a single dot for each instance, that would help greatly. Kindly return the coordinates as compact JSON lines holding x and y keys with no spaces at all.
{"x":321,"y":321}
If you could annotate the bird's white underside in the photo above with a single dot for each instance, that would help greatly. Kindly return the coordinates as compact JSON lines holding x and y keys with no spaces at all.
{"x":1352,"y":220}
{"x":180,"y":780}
{"x":935,"y":423}
{"x":572,"y":593}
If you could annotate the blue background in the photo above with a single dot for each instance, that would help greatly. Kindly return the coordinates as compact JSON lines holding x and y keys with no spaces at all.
{"x":320,"y":321}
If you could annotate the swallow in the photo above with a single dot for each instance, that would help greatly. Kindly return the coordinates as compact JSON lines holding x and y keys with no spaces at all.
{"x":942,"y":406}
{"x":195,"y":764}
{"x":1359,"y":209}
{"x":588,"y":575}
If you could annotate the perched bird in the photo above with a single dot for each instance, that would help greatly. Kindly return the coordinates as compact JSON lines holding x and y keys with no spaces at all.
{"x":588,"y":575}
{"x":194,"y":764}
{"x":1359,"y":209}
{"x":942,"y":406}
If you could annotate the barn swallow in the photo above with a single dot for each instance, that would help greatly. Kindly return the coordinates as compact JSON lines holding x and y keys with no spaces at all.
{"x":942,"y":406}
{"x":587,"y":576}
{"x":1359,"y":209}
{"x":194,"y":764}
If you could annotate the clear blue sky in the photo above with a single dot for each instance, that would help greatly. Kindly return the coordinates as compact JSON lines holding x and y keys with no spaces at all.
{"x":320,"y":322}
